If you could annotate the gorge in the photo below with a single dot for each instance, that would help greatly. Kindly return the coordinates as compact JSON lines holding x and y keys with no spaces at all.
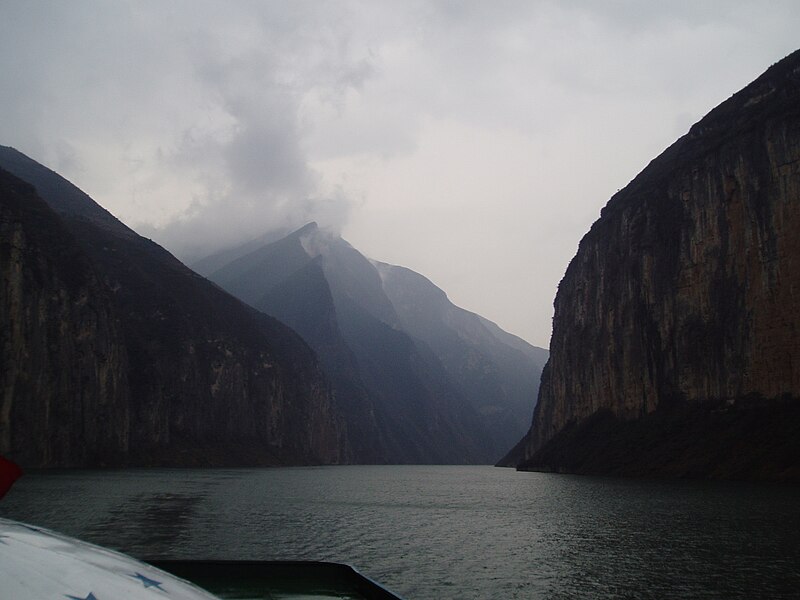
{"x":114,"y":353}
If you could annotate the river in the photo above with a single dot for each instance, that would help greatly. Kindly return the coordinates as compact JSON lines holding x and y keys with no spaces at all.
{"x":436,"y":532}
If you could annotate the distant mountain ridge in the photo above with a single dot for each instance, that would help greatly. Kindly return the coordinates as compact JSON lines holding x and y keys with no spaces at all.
{"x":493,"y":370}
{"x":114,"y":353}
{"x":413,"y":397}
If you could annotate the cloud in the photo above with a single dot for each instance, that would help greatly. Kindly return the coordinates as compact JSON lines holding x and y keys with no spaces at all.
{"x":184,"y":120}
{"x":472,"y":141}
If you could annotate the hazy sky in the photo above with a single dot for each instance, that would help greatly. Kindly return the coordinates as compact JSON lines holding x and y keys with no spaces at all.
{"x":474,"y":142}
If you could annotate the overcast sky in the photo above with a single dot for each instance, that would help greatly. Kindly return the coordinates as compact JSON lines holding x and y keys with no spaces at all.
{"x":474,"y":142}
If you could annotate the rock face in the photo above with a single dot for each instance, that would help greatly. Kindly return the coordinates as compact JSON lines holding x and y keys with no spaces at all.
{"x":418,"y":379}
{"x":60,"y":333}
{"x":676,"y":340}
{"x":496,"y":372}
{"x":114,"y":353}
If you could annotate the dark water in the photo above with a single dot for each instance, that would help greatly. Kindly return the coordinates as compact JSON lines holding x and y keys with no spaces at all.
{"x":445,"y":532}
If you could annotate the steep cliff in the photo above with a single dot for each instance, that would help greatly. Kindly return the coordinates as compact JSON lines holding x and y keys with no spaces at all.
{"x":65,"y":397}
{"x":115,"y":353}
{"x":676,"y":340}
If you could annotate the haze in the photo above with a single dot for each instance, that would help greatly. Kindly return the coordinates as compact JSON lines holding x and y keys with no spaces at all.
{"x":474,"y":142}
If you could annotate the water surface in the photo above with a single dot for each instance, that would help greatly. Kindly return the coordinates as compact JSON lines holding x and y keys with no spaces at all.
{"x":430,"y":532}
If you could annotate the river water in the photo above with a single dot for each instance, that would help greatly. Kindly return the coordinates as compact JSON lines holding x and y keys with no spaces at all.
{"x":433,"y":532}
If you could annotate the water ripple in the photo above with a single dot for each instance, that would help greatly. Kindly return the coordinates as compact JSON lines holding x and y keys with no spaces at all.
{"x":445,"y":532}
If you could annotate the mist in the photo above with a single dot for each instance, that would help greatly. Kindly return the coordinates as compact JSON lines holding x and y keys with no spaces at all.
{"x":472,"y":142}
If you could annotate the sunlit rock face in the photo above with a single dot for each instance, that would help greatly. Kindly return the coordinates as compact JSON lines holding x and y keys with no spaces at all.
{"x":676,"y":341}
{"x":115,"y":353}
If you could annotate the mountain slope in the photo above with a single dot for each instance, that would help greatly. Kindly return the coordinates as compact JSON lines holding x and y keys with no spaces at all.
{"x":202,"y":378}
{"x":496,"y":372}
{"x":399,"y":405}
{"x":304,"y":302}
{"x":412,"y":408}
{"x":677,"y":324}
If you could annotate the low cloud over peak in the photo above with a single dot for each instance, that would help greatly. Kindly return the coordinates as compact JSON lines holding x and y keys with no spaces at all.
{"x":474,"y":142}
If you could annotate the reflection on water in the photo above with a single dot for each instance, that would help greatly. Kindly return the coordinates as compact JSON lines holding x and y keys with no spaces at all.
{"x":154,"y":525}
{"x":445,"y":532}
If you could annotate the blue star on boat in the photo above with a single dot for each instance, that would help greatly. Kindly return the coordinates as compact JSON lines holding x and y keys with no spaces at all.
{"x":147,"y":582}
{"x":39,"y":564}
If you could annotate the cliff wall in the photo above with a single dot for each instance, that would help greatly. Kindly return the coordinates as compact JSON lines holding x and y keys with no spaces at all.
{"x":683,"y":297}
{"x":115,"y":353}
{"x":59,"y":335}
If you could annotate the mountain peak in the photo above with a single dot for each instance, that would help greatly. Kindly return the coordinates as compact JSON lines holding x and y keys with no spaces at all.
{"x":310,"y":227}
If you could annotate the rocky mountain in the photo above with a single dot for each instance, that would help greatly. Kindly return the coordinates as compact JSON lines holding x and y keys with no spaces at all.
{"x":115,"y":353}
{"x":676,"y":341}
{"x":60,"y":332}
{"x":398,"y":381}
{"x":498,"y":373}
{"x":285,"y":281}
